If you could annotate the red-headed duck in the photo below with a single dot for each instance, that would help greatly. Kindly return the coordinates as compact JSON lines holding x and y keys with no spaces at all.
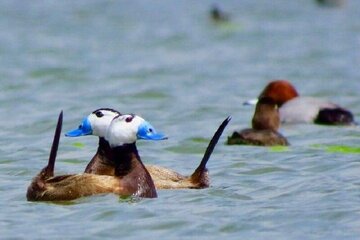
{"x":265,"y":124}
{"x":296,"y":109}
{"x":96,"y":124}
{"x":131,"y":177}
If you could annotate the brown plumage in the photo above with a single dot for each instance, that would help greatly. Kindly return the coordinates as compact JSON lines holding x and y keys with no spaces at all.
{"x":265,"y":124}
{"x":266,"y":115}
{"x":100,"y":164}
{"x":70,"y":187}
{"x":163,"y":178}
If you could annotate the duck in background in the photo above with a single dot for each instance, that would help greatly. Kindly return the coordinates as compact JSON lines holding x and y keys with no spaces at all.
{"x":132,"y":178}
{"x":331,"y":3}
{"x":265,"y":125}
{"x":296,"y":109}
{"x":218,"y":15}
{"x":96,"y":123}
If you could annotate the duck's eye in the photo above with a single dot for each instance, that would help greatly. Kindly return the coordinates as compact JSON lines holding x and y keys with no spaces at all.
{"x":99,"y":114}
{"x":128,"y":119}
{"x":150,"y":130}
{"x":80,"y":126}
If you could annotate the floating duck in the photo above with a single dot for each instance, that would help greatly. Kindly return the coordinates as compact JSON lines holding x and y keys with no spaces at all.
{"x":218,"y":15}
{"x":132,"y":178}
{"x":331,"y":3}
{"x":164,"y":178}
{"x":265,"y":125}
{"x":296,"y":109}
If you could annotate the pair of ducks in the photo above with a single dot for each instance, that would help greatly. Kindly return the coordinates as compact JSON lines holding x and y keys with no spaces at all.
{"x":279,"y":103}
{"x":116,"y":167}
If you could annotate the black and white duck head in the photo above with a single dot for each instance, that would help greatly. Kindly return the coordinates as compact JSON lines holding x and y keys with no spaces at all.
{"x":126,"y":129}
{"x":95,"y":124}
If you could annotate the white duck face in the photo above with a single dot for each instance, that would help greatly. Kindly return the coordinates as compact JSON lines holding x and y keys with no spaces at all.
{"x":126,"y":129}
{"x":95,"y":124}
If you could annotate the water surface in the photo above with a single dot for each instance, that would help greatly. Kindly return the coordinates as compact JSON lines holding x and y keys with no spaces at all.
{"x":168,"y":62}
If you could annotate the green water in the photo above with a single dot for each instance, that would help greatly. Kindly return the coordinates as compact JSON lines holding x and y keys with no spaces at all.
{"x":168,"y":62}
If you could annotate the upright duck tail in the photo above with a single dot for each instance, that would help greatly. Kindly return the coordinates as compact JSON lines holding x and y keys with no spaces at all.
{"x":200,"y":176}
{"x":37,"y":185}
{"x":48,"y":171}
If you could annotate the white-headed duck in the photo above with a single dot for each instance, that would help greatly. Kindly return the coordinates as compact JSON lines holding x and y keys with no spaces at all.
{"x":164,"y":178}
{"x":132,"y":178}
{"x":265,"y":125}
{"x":296,"y":109}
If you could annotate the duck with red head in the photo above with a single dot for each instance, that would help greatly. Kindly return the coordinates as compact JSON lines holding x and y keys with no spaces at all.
{"x":296,"y":109}
{"x":131,"y":177}
{"x":265,"y":125}
{"x":164,"y":178}
{"x":280,"y":91}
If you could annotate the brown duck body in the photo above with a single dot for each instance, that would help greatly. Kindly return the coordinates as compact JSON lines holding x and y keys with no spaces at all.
{"x":131,"y":177}
{"x":163,"y":178}
{"x":265,"y":123}
{"x":255,"y":137}
{"x":70,"y":187}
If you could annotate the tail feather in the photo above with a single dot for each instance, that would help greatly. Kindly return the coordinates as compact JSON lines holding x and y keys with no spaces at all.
{"x":38,"y":185}
{"x":49,"y":169}
{"x":199,"y":176}
{"x":335,"y":116}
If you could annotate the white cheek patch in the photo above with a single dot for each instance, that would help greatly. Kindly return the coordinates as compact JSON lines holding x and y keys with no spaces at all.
{"x":101,"y":124}
{"x":123,"y":130}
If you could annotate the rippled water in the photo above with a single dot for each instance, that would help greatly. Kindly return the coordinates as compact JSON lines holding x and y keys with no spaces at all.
{"x":167,"y":61}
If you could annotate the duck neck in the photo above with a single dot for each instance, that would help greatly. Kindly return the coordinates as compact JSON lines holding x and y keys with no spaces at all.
{"x":101,"y":163}
{"x":103,"y":148}
{"x":128,"y":166}
{"x":125,"y":158}
{"x":266,"y":117}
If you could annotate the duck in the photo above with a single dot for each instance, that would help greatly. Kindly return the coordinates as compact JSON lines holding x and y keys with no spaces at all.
{"x":131,"y":177}
{"x":265,"y":125}
{"x":331,"y":3}
{"x":218,"y":15}
{"x":296,"y":109}
{"x":96,"y":124}
{"x":164,"y":178}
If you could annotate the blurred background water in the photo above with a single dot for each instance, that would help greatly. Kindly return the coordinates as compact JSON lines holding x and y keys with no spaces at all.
{"x":170,"y":63}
